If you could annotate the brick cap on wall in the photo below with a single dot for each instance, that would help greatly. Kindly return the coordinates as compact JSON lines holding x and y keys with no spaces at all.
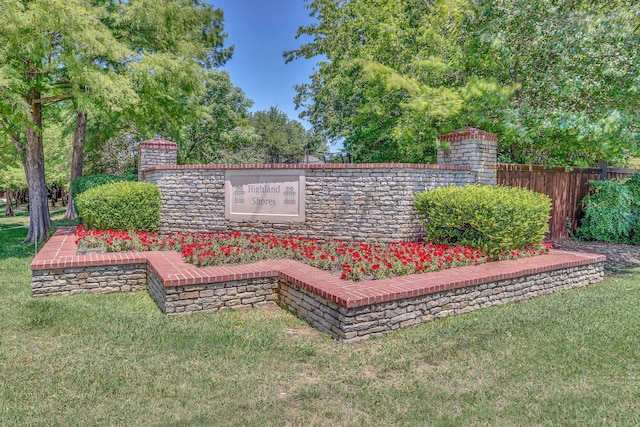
{"x":311,"y":166}
{"x":60,"y":252}
{"x":466,"y":133}
{"x":158,"y":143}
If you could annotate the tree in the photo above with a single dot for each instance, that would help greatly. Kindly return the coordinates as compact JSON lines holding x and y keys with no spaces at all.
{"x":223,"y":132}
{"x":174,"y":42}
{"x":11,"y":179}
{"x":394,"y":77}
{"x":281,"y":139}
{"x":104,"y":55}
{"x":575,"y":66}
{"x":50,"y":51}
{"x":77,"y":160}
{"x":557,"y":81}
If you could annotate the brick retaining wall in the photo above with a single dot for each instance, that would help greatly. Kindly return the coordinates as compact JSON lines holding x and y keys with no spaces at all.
{"x":349,"y":311}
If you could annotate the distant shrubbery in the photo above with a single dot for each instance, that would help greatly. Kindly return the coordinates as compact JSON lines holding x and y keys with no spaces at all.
{"x":611,"y":212}
{"x":128,"y":206}
{"x":496,"y":219}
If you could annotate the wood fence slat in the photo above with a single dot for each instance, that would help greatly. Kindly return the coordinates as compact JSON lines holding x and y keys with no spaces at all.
{"x":565,"y":186}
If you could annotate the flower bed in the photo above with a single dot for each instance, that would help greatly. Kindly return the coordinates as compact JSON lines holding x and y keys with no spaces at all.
{"x":347,"y":310}
{"x":350,"y":260}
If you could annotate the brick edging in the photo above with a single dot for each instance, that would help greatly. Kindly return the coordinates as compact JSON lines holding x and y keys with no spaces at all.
{"x":310,"y":166}
{"x":60,"y":252}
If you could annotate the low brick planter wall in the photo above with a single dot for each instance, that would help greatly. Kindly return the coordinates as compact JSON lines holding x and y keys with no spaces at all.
{"x":356,"y":323}
{"x":347,"y":310}
{"x":57,"y":270}
{"x":79,"y":280}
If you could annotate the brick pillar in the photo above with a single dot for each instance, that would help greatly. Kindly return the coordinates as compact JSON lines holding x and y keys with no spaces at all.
{"x":156,"y":152}
{"x":474,"y":148}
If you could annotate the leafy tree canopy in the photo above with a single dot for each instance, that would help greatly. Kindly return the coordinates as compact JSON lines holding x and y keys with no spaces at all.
{"x":557,"y":81}
{"x":282,"y":140}
{"x":576,"y":69}
{"x":138,"y":61}
{"x":222,"y":132}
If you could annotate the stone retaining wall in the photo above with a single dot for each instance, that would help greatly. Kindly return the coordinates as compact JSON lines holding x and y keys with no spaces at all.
{"x":211,"y":297}
{"x":352,"y":324}
{"x":94,"y":279}
{"x":344,"y":201}
{"x":347,"y":310}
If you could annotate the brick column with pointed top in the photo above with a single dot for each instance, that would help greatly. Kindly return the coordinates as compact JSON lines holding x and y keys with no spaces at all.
{"x":156,"y":152}
{"x":474,"y":148}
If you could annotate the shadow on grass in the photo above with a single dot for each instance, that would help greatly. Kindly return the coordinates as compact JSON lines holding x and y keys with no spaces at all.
{"x":13,"y":245}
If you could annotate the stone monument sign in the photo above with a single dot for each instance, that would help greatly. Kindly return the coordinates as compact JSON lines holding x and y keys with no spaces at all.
{"x":265,"y":195}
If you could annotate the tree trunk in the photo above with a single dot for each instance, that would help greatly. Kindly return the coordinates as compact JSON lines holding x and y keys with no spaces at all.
{"x":77,"y":160}
{"x":8,"y":209}
{"x":39,"y":218}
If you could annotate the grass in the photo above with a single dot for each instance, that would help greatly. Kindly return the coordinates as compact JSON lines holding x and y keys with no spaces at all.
{"x":572,"y":358}
{"x":21,"y":218}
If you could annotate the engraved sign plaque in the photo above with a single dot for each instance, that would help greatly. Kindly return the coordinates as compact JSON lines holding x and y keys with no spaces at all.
{"x":265,"y":195}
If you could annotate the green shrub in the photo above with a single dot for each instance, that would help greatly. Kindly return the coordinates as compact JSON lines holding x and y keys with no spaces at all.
{"x":609,"y":213}
{"x":633,"y":185}
{"x":493,"y":218}
{"x":83,"y":183}
{"x":128,"y":206}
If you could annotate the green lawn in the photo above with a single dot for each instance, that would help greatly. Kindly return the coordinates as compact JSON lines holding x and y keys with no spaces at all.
{"x":21,"y":218}
{"x":572,"y":358}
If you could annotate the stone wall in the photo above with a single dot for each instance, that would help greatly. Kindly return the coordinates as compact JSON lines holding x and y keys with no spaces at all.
{"x":350,"y":202}
{"x":91,"y":279}
{"x":211,"y":297}
{"x":353,"y":324}
{"x":349,"y":311}
{"x":474,"y":148}
{"x":156,"y":152}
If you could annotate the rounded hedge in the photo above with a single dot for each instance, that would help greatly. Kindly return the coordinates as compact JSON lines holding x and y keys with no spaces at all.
{"x":124,"y":205}
{"x":495,"y":219}
{"x":84,"y":183}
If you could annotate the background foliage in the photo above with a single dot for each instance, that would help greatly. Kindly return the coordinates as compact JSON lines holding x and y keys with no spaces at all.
{"x":611,"y":212}
{"x":556,"y":81}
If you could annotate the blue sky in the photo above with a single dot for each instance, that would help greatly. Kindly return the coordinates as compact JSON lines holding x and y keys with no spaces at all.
{"x":261,"y":30}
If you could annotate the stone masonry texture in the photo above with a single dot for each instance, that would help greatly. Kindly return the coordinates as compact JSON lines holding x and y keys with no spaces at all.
{"x":96,"y":280}
{"x":474,"y":148}
{"x":350,"y":202}
{"x":155,"y":152}
{"x":347,"y":310}
{"x":354,"y":324}
{"x":344,"y":203}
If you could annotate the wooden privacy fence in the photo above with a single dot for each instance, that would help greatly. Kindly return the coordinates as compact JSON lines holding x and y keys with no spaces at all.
{"x":565,"y":186}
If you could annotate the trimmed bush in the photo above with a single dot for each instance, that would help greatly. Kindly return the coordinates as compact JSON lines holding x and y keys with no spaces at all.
{"x":493,"y":218}
{"x":125,"y":205}
{"x":83,"y":183}
{"x":610,"y":214}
